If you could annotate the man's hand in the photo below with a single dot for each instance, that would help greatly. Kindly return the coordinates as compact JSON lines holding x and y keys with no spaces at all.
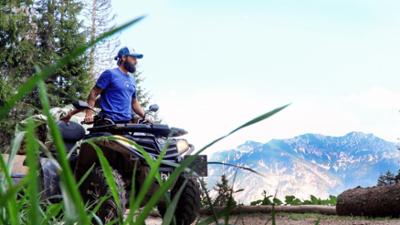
{"x":66,"y":117}
{"x":89,"y":116}
{"x":148,"y":119}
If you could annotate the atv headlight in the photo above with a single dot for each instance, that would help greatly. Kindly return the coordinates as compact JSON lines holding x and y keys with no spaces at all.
{"x":182,"y":146}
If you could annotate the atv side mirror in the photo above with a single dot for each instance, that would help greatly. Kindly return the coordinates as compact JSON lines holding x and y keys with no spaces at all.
{"x":81,"y":105}
{"x":154,"y":108}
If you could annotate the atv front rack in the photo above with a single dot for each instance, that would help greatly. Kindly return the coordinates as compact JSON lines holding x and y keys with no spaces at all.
{"x":154,"y":129}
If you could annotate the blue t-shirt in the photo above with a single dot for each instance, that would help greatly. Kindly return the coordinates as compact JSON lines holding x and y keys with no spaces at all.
{"x":119,"y":89}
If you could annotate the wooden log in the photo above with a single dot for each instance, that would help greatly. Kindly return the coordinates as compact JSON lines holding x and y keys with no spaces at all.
{"x":327,"y":210}
{"x":18,"y":164}
{"x":379,"y":201}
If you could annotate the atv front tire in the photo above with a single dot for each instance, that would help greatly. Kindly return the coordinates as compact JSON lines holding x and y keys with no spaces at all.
{"x":189,"y":202}
{"x":95,"y":187}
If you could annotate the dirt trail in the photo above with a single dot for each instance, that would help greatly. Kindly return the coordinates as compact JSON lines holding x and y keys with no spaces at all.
{"x":298,"y":219}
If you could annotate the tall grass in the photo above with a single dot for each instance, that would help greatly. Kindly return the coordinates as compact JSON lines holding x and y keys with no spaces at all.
{"x":20,"y":202}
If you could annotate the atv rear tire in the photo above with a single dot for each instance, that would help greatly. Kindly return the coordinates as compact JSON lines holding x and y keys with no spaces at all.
{"x":188,"y":205}
{"x":95,"y":187}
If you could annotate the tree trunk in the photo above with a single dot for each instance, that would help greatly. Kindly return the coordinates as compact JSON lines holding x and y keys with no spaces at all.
{"x":374,"y":201}
{"x":93,"y":28}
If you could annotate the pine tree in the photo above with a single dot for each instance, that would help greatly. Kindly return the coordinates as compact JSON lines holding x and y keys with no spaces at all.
{"x":397,"y":178}
{"x":205,"y":198}
{"x":381,"y":180}
{"x":225,"y":193}
{"x":141,"y":94}
{"x":58,"y":34}
{"x":390,"y":178}
{"x":72,"y":81}
{"x":101,"y":20}
{"x":387,"y":179}
{"x":17,"y":57}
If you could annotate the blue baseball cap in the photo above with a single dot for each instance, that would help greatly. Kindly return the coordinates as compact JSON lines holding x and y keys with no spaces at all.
{"x":125,"y":52}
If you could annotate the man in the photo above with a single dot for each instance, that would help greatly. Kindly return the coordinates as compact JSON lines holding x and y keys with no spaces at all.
{"x":117,"y":89}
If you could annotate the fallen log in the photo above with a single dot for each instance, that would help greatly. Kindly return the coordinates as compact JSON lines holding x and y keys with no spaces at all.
{"x":18,"y":164}
{"x":379,"y":201}
{"x":327,"y":210}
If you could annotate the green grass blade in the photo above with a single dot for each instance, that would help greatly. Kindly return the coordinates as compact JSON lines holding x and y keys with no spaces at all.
{"x":68,"y":182}
{"x":214,"y":214}
{"x":85,"y":175}
{"x":5,"y":171}
{"x":107,"y":170}
{"x":169,"y":214}
{"x":153,"y":164}
{"x":11,"y":192}
{"x":51,"y":213}
{"x":9,"y":198}
{"x":249,"y":123}
{"x":147,"y":157}
{"x":132,"y":195}
{"x":32,"y":148}
{"x":210,"y":220}
{"x":98,"y":205}
{"x":236,"y":166}
{"x":259,"y":119}
{"x":28,"y":86}
{"x":146,"y":186}
{"x":15,"y":146}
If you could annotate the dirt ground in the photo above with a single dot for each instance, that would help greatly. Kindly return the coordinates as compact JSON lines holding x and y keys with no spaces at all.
{"x":298,"y":219}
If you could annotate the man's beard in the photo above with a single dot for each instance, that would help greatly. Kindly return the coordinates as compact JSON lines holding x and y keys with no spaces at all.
{"x":130,"y":67}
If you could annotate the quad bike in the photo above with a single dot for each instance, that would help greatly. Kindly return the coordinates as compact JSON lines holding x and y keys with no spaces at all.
{"x":124,"y":158}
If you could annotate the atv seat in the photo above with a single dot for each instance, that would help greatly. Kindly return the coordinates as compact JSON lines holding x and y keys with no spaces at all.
{"x":71,"y":132}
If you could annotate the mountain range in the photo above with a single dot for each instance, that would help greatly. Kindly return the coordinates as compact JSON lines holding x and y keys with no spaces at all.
{"x":309,"y":164}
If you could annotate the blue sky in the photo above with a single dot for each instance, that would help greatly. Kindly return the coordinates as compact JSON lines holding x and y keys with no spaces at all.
{"x":212,"y":65}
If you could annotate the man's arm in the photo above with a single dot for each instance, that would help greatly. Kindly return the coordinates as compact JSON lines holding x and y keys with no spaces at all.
{"x":91,"y":100}
{"x":137,"y":108}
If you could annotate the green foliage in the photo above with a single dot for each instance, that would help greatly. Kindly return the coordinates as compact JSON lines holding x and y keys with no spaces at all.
{"x":224,"y":193}
{"x":17,"y":57}
{"x":267,"y":200}
{"x":204,"y":194}
{"x":264,"y":201}
{"x":141,"y":94}
{"x":388,"y":178}
{"x":59,"y":32}
{"x":34,"y":34}
{"x":292,"y":200}
{"x":276,"y":201}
